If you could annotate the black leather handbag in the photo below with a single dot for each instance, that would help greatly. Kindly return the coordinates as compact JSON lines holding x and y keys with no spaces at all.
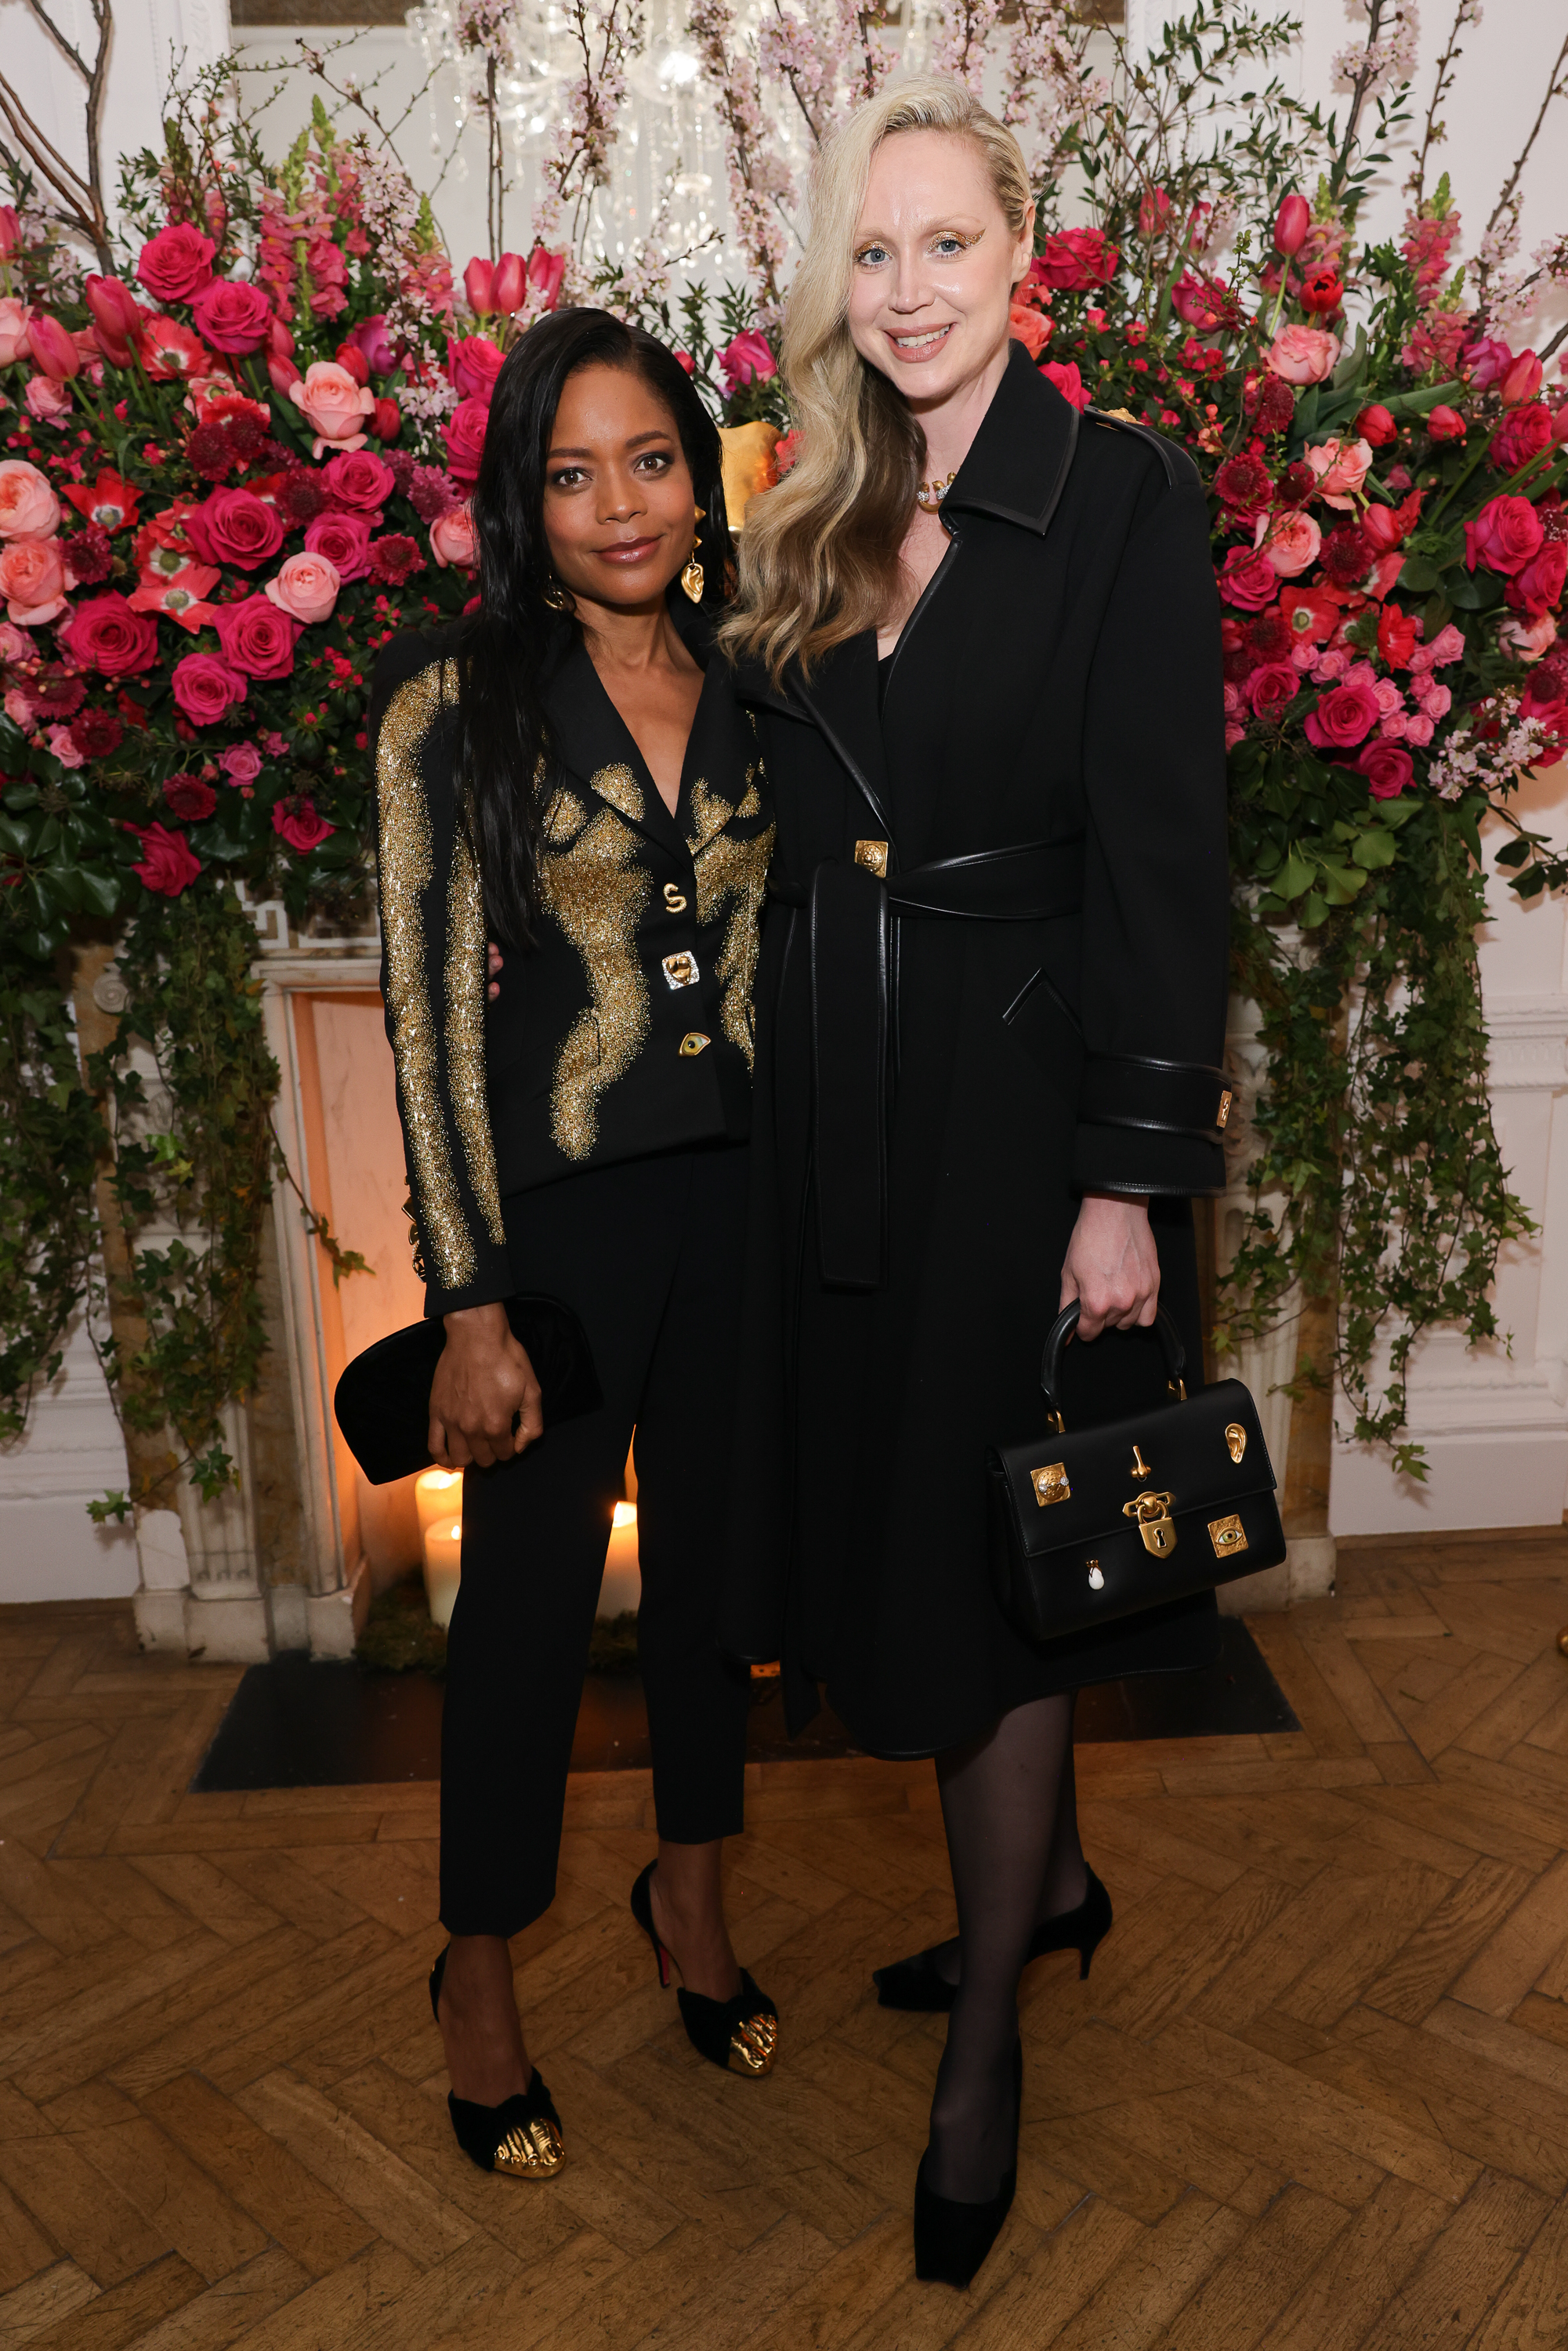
{"x":1098,"y":1524}
{"x":382,"y":1401}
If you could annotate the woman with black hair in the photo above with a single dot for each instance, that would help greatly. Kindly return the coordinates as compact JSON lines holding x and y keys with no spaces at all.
{"x":566,"y":772}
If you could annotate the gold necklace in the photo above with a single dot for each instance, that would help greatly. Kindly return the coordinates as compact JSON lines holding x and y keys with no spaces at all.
{"x":930,"y":495}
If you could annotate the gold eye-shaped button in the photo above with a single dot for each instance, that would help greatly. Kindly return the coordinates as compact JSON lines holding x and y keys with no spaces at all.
{"x":692,"y":1043}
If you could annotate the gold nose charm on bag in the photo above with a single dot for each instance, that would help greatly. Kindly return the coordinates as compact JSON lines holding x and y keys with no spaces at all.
{"x":1152,"y":1513}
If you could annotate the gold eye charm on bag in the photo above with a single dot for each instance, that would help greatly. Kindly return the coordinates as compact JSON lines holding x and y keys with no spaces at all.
{"x":1152,"y":1513}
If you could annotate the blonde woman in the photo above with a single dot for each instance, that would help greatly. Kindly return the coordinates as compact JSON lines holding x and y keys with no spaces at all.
{"x":980,"y":633}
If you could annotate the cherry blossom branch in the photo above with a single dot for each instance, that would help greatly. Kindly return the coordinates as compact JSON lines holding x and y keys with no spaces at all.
{"x":81,"y":200}
{"x":1556,"y":87}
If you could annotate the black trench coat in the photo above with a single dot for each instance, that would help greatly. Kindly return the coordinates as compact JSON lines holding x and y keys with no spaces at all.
{"x":935,"y":1087}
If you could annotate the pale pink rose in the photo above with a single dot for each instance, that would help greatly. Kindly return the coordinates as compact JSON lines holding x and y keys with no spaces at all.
{"x":1526,"y":640}
{"x":1305,"y":656}
{"x":28,"y":507}
{"x":1436,"y":700}
{"x":1446,"y":646}
{"x":18,"y":708}
{"x":452,"y":539}
{"x":1389,"y":697}
{"x":1330,"y":665}
{"x":1419,"y":731}
{"x":63,"y":748}
{"x":1341,"y":467}
{"x":1304,"y":354}
{"x":14,"y":646}
{"x":1234,"y":731}
{"x":1233,"y":704}
{"x":13,"y":330}
{"x":1290,"y":541}
{"x":333,"y":405}
{"x":32,"y":582}
{"x":47,"y":400}
{"x":1394,"y":726}
{"x":306,"y":589}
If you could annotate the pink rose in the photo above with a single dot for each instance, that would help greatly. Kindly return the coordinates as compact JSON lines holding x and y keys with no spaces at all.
{"x":474,"y":364}
{"x":1304,"y":354}
{"x":257,"y":638}
{"x":1341,"y":467}
{"x":32,"y":582}
{"x":372,"y":339}
{"x":746,"y":359}
{"x":235,"y":526}
{"x":362,"y":482}
{"x":1524,"y":434}
{"x":1504,"y":536}
{"x":1269,"y":689}
{"x":333,"y":405}
{"x":1249,"y":579}
{"x":452,"y":540}
{"x":1447,"y":646}
{"x":1486,"y":361}
{"x":107,"y":636}
{"x":1344,"y":715}
{"x":168,"y":864}
{"x":297,"y":822}
{"x":1540,"y":585}
{"x":1436,"y":700}
{"x":176,"y":263}
{"x":28,"y":507}
{"x":344,"y":540}
{"x":66,"y":748}
{"x":1290,"y":543}
{"x":205,"y":687}
{"x":1419,"y":730}
{"x":306,"y":589}
{"x":1064,"y":375}
{"x":13,"y":330}
{"x":233,"y":316}
{"x":1526,"y":640}
{"x":1388,"y":769}
{"x":14,"y":646}
{"x":465,"y":439}
{"x":48,"y":402}
{"x":241,"y":763}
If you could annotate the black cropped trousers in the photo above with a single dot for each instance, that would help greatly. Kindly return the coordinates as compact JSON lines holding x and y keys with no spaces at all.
{"x":648,"y":1255}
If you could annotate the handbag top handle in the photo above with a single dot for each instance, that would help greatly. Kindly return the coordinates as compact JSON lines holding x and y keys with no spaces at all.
{"x":1060,"y":1332}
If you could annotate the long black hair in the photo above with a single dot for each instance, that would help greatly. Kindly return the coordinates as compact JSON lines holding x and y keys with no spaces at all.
{"x":509,"y":643}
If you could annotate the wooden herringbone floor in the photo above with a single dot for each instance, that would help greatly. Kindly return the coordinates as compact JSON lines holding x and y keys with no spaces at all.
{"x":1314,"y":2095}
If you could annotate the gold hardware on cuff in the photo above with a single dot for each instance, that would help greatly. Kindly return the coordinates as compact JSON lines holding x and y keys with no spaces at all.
{"x":692,"y":1043}
{"x":1235,"y":1438}
{"x":1140,"y":1467}
{"x":533,"y":2151}
{"x":674,"y":900}
{"x":1152,"y":1513}
{"x":873,"y":855}
{"x":680,"y":970}
{"x":1096,"y":1576}
{"x":1228,"y":1536}
{"x":755,"y":2042}
{"x":1223,"y":1113}
{"x":1050,"y":1483}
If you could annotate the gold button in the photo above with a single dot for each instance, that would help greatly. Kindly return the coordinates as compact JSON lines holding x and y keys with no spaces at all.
{"x":681,"y":970}
{"x":674,"y":901}
{"x":873,"y":855}
{"x":693,"y":1042}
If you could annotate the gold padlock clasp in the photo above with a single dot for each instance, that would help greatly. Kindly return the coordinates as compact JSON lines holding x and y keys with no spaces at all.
{"x":1152,"y":1513}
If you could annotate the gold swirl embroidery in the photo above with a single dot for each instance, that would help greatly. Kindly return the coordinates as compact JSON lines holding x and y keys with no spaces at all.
{"x":596,"y":892}
{"x":404,"y":866}
{"x":466,"y":970}
{"x":620,"y":787}
{"x":729,"y":868}
{"x":563,"y":816}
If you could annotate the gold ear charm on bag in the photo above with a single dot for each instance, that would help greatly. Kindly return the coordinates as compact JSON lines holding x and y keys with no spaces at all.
{"x":692,"y":576}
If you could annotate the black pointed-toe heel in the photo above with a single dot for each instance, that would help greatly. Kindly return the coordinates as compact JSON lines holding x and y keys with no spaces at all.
{"x":741,"y":2034}
{"x":952,"y":2239}
{"x":522,"y":2137}
{"x":916,"y":1982}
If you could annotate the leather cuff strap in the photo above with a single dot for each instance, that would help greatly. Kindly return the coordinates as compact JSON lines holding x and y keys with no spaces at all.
{"x":1168,"y":1097}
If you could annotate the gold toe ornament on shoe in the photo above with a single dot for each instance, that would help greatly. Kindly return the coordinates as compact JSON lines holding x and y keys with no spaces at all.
{"x":533,"y":2150}
{"x":754,"y":2043}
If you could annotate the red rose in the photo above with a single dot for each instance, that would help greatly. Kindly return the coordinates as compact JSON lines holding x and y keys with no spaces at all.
{"x":176,"y":263}
{"x":1376,"y":426}
{"x":167,"y":863}
{"x":107,"y":636}
{"x":1539,"y":587}
{"x":257,"y":638}
{"x":233,"y":316}
{"x":96,"y":733}
{"x":1343,"y":716}
{"x":1504,"y":536}
{"x":1249,"y":579}
{"x":474,"y":364}
{"x":296,"y":821}
{"x":235,"y":526}
{"x":361,"y":481}
{"x":386,"y":419}
{"x":189,"y":798}
{"x":1077,"y":259}
{"x":1397,"y":636}
{"x":1064,"y":375}
{"x":465,"y":439}
{"x":1388,"y":769}
{"x":1272,"y":686}
{"x":1243,"y":485}
{"x":1524,"y":434}
{"x":205,"y":686}
{"x":345,"y":540}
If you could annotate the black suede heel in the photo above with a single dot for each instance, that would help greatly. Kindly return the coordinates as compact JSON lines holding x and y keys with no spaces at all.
{"x":951,"y":2239}
{"x":915,"y":1984}
{"x":522,"y":2137}
{"x":741,"y":2034}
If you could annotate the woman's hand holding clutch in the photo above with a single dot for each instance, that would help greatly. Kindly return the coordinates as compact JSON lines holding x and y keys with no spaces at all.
{"x":485,"y":1402}
{"x":1112,"y":1266}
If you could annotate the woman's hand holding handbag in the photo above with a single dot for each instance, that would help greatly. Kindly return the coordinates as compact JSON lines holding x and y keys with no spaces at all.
{"x":484,"y":1403}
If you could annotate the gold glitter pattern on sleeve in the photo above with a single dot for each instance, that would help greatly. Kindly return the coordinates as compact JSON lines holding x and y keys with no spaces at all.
{"x":620,"y":787}
{"x":733,"y":870}
{"x":465,"y":975}
{"x":597,"y":892}
{"x":405,"y":869}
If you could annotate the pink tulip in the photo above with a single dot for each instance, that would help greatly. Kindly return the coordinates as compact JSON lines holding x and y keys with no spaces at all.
{"x":479,"y":285}
{"x":113,"y":307}
{"x":52,"y":348}
{"x":283,"y":374}
{"x":279,"y":341}
{"x":10,"y":233}
{"x":546,"y":271}
{"x":511,"y":284}
{"x":1291,"y":225}
{"x":1523,"y":380}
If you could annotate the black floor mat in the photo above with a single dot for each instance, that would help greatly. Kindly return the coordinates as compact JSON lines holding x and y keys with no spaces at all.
{"x":296,"y":1723}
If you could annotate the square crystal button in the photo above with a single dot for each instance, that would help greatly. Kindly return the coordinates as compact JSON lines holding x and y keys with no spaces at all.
{"x":681,"y":970}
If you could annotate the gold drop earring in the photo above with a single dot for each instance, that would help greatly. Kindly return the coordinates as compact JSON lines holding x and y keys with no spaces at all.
{"x":557,"y":597}
{"x":692,"y":576}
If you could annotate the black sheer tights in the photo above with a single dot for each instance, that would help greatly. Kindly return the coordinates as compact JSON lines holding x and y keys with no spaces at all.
{"x":1009,"y":1808}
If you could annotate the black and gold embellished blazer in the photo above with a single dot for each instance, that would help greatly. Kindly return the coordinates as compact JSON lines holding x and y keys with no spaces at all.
{"x":627,"y":1028}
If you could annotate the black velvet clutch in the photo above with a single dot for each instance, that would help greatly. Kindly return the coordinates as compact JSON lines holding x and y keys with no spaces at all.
{"x":382,"y":1401}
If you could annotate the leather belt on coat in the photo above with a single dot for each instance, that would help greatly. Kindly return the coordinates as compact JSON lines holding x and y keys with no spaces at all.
{"x":852,"y":908}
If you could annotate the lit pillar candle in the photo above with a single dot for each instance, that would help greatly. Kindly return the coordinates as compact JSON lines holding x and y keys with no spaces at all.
{"x":437,"y":1494}
{"x":443,"y":1551}
{"x":623,"y":1586}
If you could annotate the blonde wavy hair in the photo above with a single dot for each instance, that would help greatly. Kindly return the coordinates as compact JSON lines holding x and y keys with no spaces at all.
{"x":818,"y":555}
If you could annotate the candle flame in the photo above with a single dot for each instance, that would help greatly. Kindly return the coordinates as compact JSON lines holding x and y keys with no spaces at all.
{"x":625,"y":1514}
{"x":435,"y":1481}
{"x":457,"y":1530}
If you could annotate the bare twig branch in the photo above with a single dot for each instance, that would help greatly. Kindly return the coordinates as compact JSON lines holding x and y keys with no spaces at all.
{"x":81,"y":199}
{"x":1433,"y":132}
{"x":1556,"y":87}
